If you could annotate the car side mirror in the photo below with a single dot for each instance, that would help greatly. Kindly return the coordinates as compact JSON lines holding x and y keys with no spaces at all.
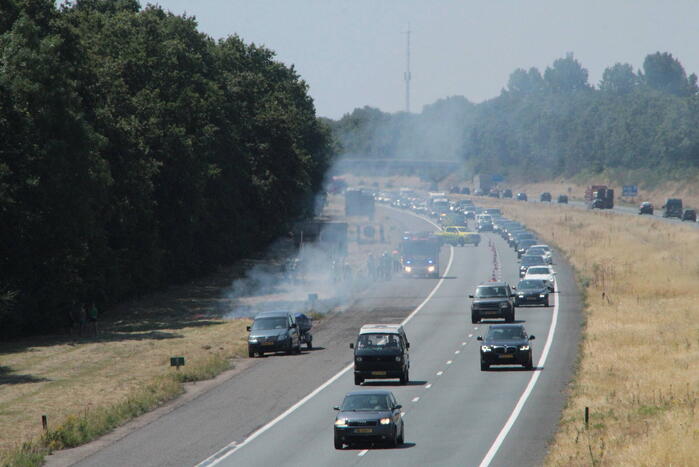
{"x":397,"y":407}
{"x":337,"y":407}
{"x":513,"y":295}
{"x":407,"y":345}
{"x":351,"y":345}
{"x":531,"y":338}
{"x":514,"y":287}
{"x":249,"y":328}
{"x":470,"y":296}
{"x":479,"y":338}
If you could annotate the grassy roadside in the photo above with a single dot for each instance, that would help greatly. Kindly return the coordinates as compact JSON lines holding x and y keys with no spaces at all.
{"x":639,"y":368}
{"x":88,"y":387}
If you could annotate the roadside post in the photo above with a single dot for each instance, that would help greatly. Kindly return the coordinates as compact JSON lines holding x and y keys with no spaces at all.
{"x":177,"y":362}
{"x":45,"y":422}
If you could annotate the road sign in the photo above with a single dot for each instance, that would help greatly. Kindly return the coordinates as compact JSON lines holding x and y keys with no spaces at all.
{"x":629,"y":191}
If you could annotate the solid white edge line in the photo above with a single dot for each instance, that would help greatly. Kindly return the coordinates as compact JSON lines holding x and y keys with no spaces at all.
{"x":528,"y":390}
{"x":231,"y":448}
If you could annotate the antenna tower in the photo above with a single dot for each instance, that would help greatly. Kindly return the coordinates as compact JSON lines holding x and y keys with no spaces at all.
{"x":406,"y":75}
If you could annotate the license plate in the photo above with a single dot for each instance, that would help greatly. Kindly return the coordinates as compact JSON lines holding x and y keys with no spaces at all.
{"x":378,"y":373}
{"x":363,"y":430}
{"x":532,"y":298}
{"x":507,"y":355}
{"x":268,"y":343}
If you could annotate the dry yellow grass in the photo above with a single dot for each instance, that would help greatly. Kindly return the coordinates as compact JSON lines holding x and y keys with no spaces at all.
{"x":639,"y":366}
{"x":62,"y":378}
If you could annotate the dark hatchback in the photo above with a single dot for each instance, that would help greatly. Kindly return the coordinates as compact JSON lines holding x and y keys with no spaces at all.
{"x":562,"y":199}
{"x":493,"y":300}
{"x":645,"y":208}
{"x":369,"y":416}
{"x":689,"y":215}
{"x":273,"y":331}
{"x":545,"y":197}
{"x":532,"y":292}
{"x":506,"y":344}
{"x":521,"y":197}
{"x":530,"y":260}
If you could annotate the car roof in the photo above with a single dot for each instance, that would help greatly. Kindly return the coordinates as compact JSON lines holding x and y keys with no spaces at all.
{"x":272,"y":314}
{"x":381,"y":328}
{"x":540,"y":245}
{"x":377,"y":392}
{"x":493,"y":284}
{"x":511,"y":325}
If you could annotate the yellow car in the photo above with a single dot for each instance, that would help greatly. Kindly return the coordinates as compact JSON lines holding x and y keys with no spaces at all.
{"x":457,"y":235}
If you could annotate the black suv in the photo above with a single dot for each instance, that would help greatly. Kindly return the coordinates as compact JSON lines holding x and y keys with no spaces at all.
{"x":545,"y":197}
{"x":532,"y":292}
{"x":506,"y":344}
{"x":493,"y":300}
{"x":381,"y":352}
{"x":672,"y":208}
{"x":507,"y":193}
{"x":562,"y":199}
{"x":689,"y":215}
{"x":645,"y":208}
{"x":521,"y":197}
{"x":273,"y":331}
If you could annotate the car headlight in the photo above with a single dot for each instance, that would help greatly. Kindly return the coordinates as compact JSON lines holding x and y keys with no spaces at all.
{"x":430,"y":269}
{"x":542,"y":295}
{"x":485,"y":348}
{"x":504,"y":305}
{"x":521,"y":295}
{"x":430,"y":261}
{"x":385,"y":421}
{"x":252,"y":340}
{"x":359,"y":359}
{"x":408,"y":269}
{"x":398,"y":358}
{"x":282,"y":337}
{"x":341,"y":422}
{"x":524,"y":347}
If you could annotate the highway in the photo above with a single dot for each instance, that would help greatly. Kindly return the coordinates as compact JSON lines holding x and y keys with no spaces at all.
{"x":279,"y":411}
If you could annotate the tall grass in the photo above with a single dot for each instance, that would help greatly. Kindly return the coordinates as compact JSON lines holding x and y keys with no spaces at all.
{"x":639,"y":368}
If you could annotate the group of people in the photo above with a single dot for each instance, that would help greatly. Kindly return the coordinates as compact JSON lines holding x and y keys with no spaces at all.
{"x":380,"y":268}
{"x":83,"y":318}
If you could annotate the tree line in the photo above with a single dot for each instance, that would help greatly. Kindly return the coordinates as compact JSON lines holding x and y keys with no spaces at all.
{"x":635,"y":126}
{"x":136,"y":151}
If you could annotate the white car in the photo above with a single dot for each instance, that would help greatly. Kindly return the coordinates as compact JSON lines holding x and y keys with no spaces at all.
{"x":542,"y":273}
{"x":547,"y":249}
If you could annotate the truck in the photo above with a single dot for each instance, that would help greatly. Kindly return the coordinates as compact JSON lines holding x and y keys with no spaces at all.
{"x":419,"y":254}
{"x":673,"y":208}
{"x":599,"y":197}
{"x":359,"y":202}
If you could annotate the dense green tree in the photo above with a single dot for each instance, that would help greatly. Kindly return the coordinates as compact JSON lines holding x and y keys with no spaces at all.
{"x":566,"y":75}
{"x":665,"y":73}
{"x":619,"y":79}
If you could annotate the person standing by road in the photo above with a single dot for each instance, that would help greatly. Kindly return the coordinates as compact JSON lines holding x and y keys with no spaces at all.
{"x":371,"y":266}
{"x":92,"y":313}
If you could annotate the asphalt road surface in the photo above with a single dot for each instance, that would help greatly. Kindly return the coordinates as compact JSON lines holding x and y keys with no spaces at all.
{"x":279,"y":411}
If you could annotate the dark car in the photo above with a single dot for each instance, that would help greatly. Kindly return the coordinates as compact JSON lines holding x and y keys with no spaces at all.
{"x":645,"y":208}
{"x":562,"y":199}
{"x":305,"y":324}
{"x":524,"y":244}
{"x":493,"y":300}
{"x":494,"y":193}
{"x":369,"y":416}
{"x":465,"y":190}
{"x":273,"y":331}
{"x":478,"y":192}
{"x":545,"y":197}
{"x":521,"y":197}
{"x":530,"y":260}
{"x":672,"y":208}
{"x":381,"y":352}
{"x":506,"y":344}
{"x":507,"y":193}
{"x":532,"y":292}
{"x":689,"y":215}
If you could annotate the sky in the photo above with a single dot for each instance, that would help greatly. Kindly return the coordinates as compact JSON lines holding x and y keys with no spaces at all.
{"x":352,"y":53}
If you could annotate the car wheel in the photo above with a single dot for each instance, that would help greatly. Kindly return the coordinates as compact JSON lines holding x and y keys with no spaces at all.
{"x":475,"y":318}
{"x":401,"y":438}
{"x":298,"y":349}
{"x":309,"y":345}
{"x":251,"y":354}
{"x":338,"y":443}
{"x":404,"y":378}
{"x":546,"y":303}
{"x":529,"y":365}
{"x":484,"y":366}
{"x":358,"y":380}
{"x":393,"y":442}
{"x":510,"y":317}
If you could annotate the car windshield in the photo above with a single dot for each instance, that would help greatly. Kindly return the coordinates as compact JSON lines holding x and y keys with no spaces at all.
{"x":366,"y":402}
{"x":270,"y":323}
{"x":491,"y":292}
{"x":510,"y":332}
{"x":536,"y":270}
{"x":530,"y":284}
{"x":536,"y":251}
{"x":378,"y":341}
{"x":532,"y":260}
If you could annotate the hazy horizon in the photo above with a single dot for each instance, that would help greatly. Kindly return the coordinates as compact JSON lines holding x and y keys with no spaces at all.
{"x":353,"y":54}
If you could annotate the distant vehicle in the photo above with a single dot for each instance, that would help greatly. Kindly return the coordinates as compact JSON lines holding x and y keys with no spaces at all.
{"x":545,"y":197}
{"x":484,"y":223}
{"x":419,"y":253}
{"x":369,"y":416}
{"x":521,"y":196}
{"x":562,"y":199}
{"x":524,"y":244}
{"x":599,"y":197}
{"x":544,"y":273}
{"x":465,"y":191}
{"x":495,"y":212}
{"x":532,"y":292}
{"x":454,"y":189}
{"x":381,"y":352}
{"x":494,"y":193}
{"x":530,"y":260}
{"x":459,"y":235}
{"x":689,"y":215}
{"x":547,"y":253}
{"x":506,"y":344}
{"x":673,"y":208}
{"x":305,"y":324}
{"x":645,"y":208}
{"x":493,"y":300}
{"x":273,"y":331}
{"x":478,"y":192}
{"x":507,"y":193}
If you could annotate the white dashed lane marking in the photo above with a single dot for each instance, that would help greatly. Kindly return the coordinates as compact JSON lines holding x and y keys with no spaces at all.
{"x":440,"y":373}
{"x":415,"y":399}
